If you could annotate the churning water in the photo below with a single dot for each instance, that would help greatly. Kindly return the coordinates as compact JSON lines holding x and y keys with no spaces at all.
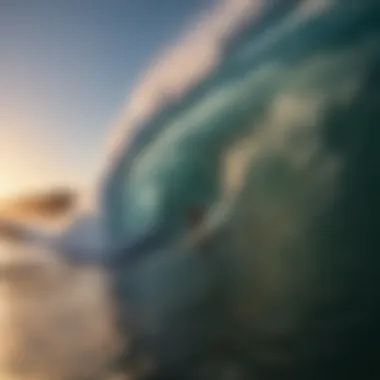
{"x":56,"y":320}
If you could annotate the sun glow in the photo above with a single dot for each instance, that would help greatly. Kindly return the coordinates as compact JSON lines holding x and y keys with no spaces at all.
{"x":7,"y":187}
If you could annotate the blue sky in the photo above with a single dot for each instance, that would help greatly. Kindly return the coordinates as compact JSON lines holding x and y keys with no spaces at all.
{"x":67,"y":68}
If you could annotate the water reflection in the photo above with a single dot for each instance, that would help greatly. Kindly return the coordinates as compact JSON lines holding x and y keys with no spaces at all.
{"x":55,"y":319}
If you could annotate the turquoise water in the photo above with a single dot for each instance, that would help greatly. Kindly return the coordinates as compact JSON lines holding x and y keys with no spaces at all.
{"x":296,"y":114}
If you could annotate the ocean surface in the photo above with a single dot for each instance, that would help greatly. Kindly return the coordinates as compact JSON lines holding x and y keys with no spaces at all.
{"x":55,"y":319}
{"x":57,"y":323}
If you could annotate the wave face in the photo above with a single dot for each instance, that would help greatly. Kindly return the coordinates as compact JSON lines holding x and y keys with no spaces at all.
{"x":277,"y":145}
{"x":183,"y":82}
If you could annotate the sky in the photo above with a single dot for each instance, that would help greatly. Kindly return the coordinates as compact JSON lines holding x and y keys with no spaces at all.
{"x":67,"y":68}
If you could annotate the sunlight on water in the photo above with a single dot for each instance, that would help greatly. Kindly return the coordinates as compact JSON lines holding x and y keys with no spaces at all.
{"x":55,"y":320}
